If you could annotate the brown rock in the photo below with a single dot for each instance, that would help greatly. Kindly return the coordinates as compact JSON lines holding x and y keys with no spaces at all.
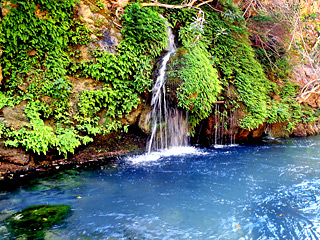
{"x":122,"y":3}
{"x":6,"y":8}
{"x":84,"y":50}
{"x":15,"y":156}
{"x":109,"y":41}
{"x":15,"y":116}
{"x":257,"y":133}
{"x":144,"y":120}
{"x":32,"y":52}
{"x":242,"y":135}
{"x":39,"y":13}
{"x":277,"y":130}
{"x":86,"y":14}
{"x":300,"y":131}
{"x":132,"y":117}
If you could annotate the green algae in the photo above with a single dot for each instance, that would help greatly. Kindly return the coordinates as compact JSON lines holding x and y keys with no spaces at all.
{"x":32,"y":222}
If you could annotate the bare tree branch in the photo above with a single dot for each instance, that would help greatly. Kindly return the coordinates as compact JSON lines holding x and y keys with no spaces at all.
{"x":186,"y":5}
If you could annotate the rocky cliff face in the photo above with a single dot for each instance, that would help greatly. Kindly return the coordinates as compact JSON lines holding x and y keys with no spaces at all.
{"x":98,"y":81}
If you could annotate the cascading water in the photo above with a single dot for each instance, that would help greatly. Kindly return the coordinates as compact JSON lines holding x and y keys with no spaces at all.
{"x":232,"y":126}
{"x":224,"y":129}
{"x":219,"y":127}
{"x":169,"y":125}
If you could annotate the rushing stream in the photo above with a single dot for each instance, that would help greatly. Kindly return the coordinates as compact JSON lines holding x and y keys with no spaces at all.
{"x":267,"y":191}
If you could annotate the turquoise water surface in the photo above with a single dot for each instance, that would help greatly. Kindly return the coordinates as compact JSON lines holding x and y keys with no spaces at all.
{"x":265,"y":191}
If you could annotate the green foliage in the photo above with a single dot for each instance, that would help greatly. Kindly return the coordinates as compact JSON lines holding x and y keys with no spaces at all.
{"x":237,"y":65}
{"x":41,"y":74}
{"x":68,"y":139}
{"x":143,"y":27}
{"x":226,"y":39}
{"x":279,"y":112}
{"x":80,"y":35}
{"x":289,"y":90}
{"x":36,"y":61}
{"x":124,"y":75}
{"x":38,"y":55}
{"x":200,"y":85}
{"x":183,"y":16}
{"x":116,"y":103}
{"x":6,"y":101}
{"x":39,"y":137}
{"x":99,"y":4}
{"x":3,"y":130}
{"x":288,"y":110}
{"x":276,"y":66}
{"x":32,"y":222}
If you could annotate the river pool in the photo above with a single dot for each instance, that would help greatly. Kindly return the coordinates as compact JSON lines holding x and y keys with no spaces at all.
{"x":265,"y":191}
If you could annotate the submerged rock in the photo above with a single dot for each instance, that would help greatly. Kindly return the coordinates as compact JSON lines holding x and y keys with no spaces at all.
{"x":32,"y":222}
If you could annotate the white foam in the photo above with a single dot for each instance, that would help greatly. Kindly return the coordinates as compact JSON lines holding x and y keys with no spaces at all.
{"x":154,"y":156}
{"x":225,"y":146}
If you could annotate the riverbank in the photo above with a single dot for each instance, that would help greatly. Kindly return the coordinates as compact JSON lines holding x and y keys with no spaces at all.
{"x":103,"y":151}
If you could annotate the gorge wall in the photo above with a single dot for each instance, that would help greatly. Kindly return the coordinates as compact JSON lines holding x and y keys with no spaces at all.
{"x":76,"y":77}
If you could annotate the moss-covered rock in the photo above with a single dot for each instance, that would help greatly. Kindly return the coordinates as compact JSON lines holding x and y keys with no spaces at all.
{"x":32,"y":222}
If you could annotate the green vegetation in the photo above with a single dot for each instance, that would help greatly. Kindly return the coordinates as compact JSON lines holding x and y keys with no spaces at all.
{"x":199,"y":86}
{"x":32,"y":222}
{"x":237,"y":65}
{"x":42,"y":43}
{"x":37,"y":59}
{"x":253,"y":74}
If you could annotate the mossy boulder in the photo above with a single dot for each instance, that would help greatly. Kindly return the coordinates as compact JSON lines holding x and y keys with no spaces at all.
{"x":32,"y":222}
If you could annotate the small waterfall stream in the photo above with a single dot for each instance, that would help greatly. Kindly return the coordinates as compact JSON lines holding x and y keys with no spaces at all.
{"x":233,"y":124}
{"x":169,"y":125}
{"x":224,"y":128}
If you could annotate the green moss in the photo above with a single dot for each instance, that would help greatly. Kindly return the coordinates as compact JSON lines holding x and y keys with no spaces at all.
{"x":32,"y":222}
{"x":199,"y":85}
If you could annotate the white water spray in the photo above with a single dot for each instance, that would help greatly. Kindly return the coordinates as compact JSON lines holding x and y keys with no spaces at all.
{"x":169,"y":126}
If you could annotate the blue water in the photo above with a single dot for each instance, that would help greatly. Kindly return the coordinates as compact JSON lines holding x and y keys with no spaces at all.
{"x":266,"y":191}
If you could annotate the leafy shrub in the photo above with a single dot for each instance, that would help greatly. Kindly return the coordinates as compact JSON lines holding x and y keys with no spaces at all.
{"x":144,"y":27}
{"x":199,"y":83}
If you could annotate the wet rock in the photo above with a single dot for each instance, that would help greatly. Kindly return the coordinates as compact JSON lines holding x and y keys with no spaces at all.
{"x":307,"y":129}
{"x":257,"y":133}
{"x":277,"y":130}
{"x":144,"y":120}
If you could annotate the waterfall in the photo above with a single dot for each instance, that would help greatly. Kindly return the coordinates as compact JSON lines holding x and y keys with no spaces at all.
{"x":224,"y":129}
{"x":217,"y":121}
{"x":219,"y":134}
{"x":232,"y":127}
{"x":169,"y":125}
